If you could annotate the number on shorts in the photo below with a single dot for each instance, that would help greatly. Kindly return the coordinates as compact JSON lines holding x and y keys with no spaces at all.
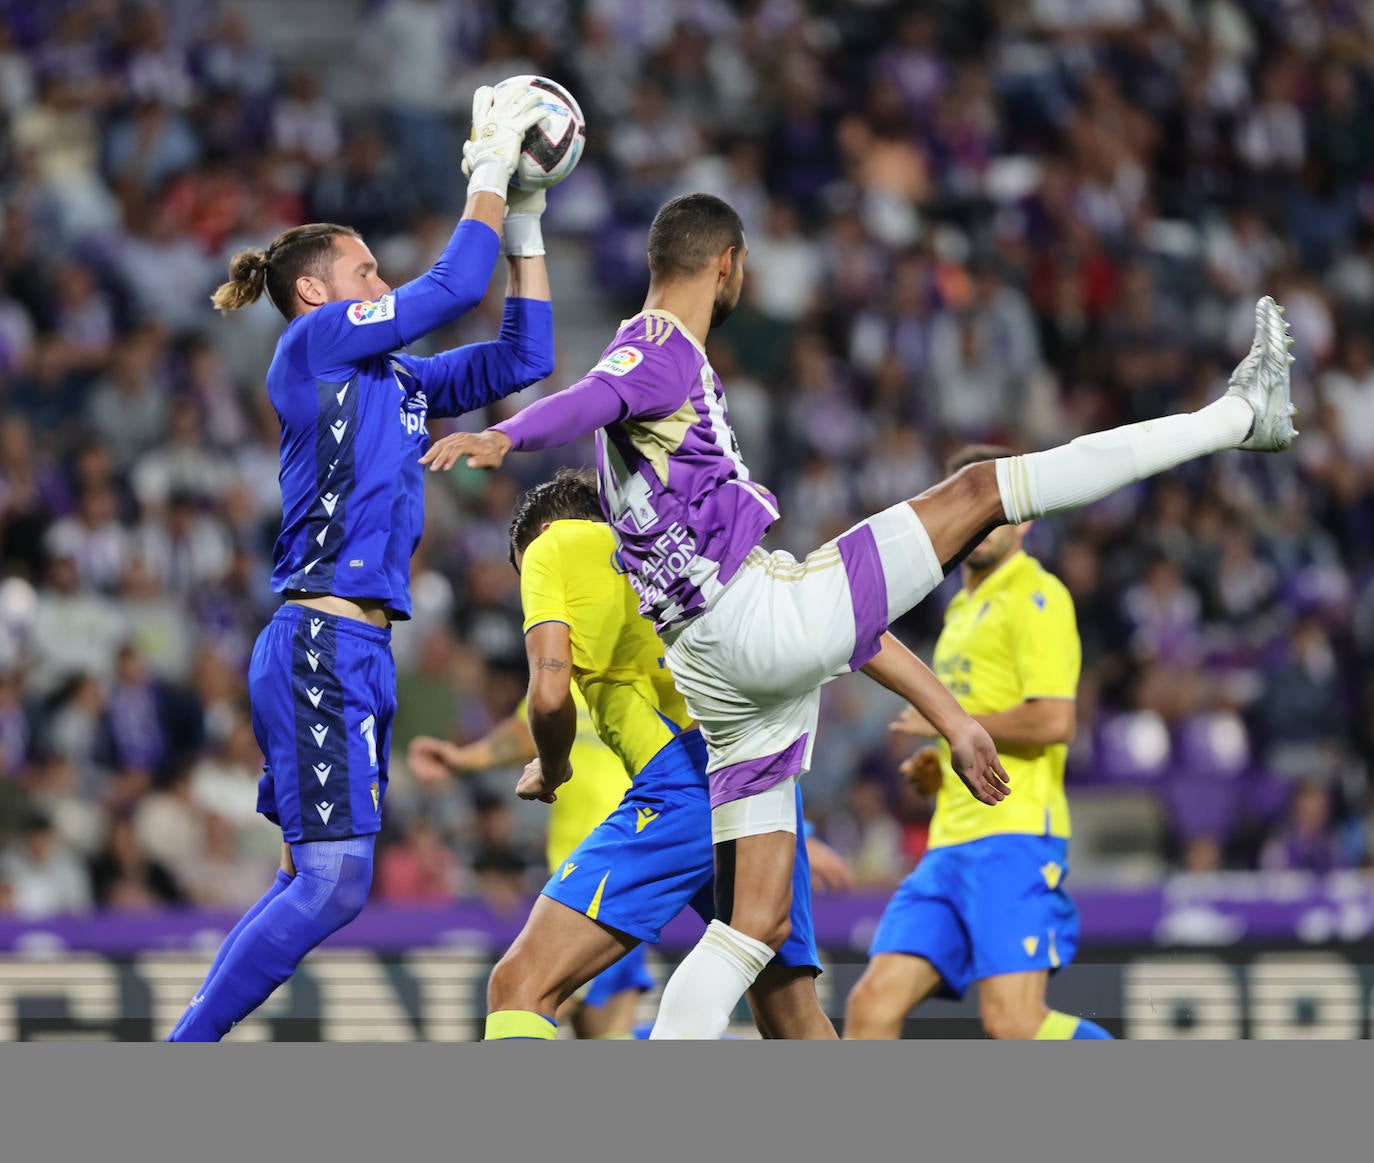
{"x":368,"y":730}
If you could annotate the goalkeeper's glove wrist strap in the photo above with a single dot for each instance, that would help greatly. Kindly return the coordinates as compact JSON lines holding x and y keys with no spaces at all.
{"x":491,"y":177}
{"x":522,"y":236}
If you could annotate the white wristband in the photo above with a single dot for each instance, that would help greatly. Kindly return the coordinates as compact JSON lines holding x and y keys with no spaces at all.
{"x":522,"y":236}
{"x":491,"y":177}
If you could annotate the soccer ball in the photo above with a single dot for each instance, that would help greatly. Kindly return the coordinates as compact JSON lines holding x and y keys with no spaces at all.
{"x":554,"y":144}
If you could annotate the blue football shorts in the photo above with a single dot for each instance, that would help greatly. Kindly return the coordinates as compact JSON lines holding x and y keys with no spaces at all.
{"x":982,"y":909}
{"x":631,"y":972}
{"x":653,"y":857}
{"x":323,"y":695}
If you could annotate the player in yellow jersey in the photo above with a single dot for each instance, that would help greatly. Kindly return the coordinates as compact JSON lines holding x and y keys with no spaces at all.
{"x":652,"y":856}
{"x":987,"y":904}
{"x":606,"y":1007}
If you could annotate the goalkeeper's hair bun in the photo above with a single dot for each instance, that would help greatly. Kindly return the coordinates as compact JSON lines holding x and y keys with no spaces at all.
{"x":247,"y":279}
{"x":302,"y":250}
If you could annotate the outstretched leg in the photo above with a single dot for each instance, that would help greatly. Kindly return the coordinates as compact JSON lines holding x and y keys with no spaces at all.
{"x":1255,"y":414}
{"x":779,"y":627}
{"x":329,"y":889}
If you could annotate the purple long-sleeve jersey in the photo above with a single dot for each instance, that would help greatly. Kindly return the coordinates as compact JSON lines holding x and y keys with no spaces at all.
{"x":673,"y":485}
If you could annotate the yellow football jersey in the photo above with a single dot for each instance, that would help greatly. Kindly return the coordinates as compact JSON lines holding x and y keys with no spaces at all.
{"x":1013,"y":638}
{"x":571,"y":574}
{"x":598,"y":784}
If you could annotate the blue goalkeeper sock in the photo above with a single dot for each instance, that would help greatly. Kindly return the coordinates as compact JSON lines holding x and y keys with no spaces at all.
{"x":1059,"y":1027}
{"x":330,"y":886}
{"x":282,"y":879}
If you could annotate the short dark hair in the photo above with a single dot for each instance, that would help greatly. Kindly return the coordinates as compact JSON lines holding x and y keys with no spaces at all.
{"x":973,"y":454}
{"x":570,"y":496}
{"x":688,"y":232}
{"x":302,"y":250}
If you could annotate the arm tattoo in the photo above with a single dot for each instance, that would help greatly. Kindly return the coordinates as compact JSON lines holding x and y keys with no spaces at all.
{"x":503,"y":751}
{"x":550,"y":664}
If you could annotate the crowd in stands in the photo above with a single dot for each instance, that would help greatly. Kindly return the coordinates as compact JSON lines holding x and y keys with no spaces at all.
{"x":968,"y":220}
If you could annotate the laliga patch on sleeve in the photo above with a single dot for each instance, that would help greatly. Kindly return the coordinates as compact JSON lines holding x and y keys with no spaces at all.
{"x":620,"y":361}
{"x":372,"y":310}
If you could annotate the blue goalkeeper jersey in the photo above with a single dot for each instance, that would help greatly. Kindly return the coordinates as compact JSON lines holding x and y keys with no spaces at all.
{"x":353,"y":409}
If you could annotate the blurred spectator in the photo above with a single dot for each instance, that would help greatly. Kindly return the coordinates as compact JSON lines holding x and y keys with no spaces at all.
{"x":147,"y":147}
{"x":167,"y":271}
{"x":155,"y":620}
{"x":71,"y":726}
{"x":363,"y":190}
{"x":305,"y":126}
{"x":1302,"y":707}
{"x":128,"y":407}
{"x":223,"y":875}
{"x":83,"y":317}
{"x":500,"y":864}
{"x":55,"y":790}
{"x":409,"y":56}
{"x":186,"y":467}
{"x":428,"y":695}
{"x":1202,"y":854}
{"x":232,"y":60}
{"x":169,"y":826}
{"x":149,"y":726}
{"x":785,"y":264}
{"x":420,"y":868}
{"x":16,"y":732}
{"x":1305,"y":842}
{"x":187,"y":548}
{"x":650,"y":147}
{"x":94,"y":539}
{"x":1348,"y":389}
{"x":123,"y":877}
{"x":32,"y":494}
{"x":75,"y":631}
{"x":1163,"y":613}
{"x":1019,"y":222}
{"x":45,"y":876}
{"x":869,"y":837}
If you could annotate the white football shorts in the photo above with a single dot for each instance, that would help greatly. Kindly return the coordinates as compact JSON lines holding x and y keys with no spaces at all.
{"x":750,"y":667}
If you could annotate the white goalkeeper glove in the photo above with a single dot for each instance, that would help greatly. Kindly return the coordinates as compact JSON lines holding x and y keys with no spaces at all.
{"x":499,"y":123}
{"x":522,"y":237}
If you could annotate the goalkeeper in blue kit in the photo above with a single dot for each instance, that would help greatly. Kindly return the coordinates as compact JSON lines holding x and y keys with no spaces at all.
{"x":353,"y":411}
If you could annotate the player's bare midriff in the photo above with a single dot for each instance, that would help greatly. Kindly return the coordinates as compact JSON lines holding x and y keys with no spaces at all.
{"x":361,"y":609}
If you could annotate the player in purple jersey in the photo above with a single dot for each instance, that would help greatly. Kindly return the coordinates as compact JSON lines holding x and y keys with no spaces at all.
{"x":352,"y":407}
{"x":750,"y":635}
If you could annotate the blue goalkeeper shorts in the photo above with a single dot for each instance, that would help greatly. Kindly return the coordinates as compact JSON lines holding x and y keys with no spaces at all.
{"x":323,"y":694}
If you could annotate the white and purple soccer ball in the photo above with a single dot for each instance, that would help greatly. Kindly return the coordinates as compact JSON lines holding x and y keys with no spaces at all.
{"x":553,"y":145}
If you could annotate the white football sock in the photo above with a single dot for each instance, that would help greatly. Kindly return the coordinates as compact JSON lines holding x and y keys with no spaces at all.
{"x":1095,"y":466}
{"x":705,"y":989}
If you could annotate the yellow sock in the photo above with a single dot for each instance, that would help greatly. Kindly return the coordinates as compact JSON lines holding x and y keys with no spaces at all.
{"x":1057,"y":1027}
{"x":519,"y":1026}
